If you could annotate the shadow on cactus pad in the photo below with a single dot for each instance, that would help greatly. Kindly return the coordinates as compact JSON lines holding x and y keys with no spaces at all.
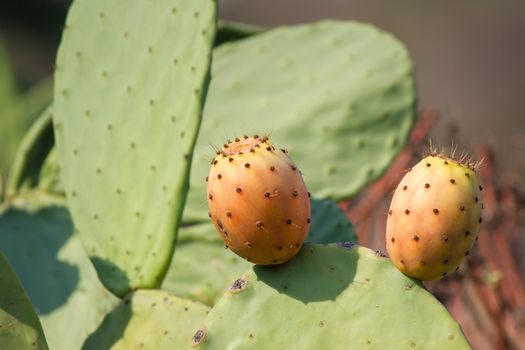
{"x":31,"y":241}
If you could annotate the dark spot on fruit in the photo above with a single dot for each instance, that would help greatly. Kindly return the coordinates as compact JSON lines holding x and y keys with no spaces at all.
{"x":402,"y":262}
{"x":308,"y":220}
{"x":225,"y":232}
{"x":272,"y":168}
{"x":280,"y":247}
{"x":467,"y":233}
{"x":444,"y":237}
{"x":219,"y":176}
{"x":480,"y":188}
{"x":267,"y":194}
{"x":289,"y":222}
{"x":229,"y":214}
{"x":283,"y":150}
{"x":445,"y":261}
{"x":415,"y":238}
{"x":436,"y":211}
{"x":467,"y":174}
{"x":462,"y":208}
{"x":219,"y":223}
{"x":392,"y":239}
{"x":268,"y":148}
{"x":237,"y":139}
{"x":246,"y":165}
{"x":445,"y":162}
{"x":452,"y":181}
{"x":309,"y":195}
{"x":274,"y":261}
{"x":255,"y":136}
{"x":476,"y":199}
{"x":248,"y":244}
{"x":238,"y":190}
{"x":259,"y":224}
{"x":294,"y":168}
{"x":428,"y":164}
{"x":444,"y":274}
{"x":427,"y":185}
{"x":295,"y":194}
{"x":230,"y":159}
{"x":297,"y":245}
{"x":404,"y":188}
{"x":467,"y":252}
{"x":480,"y":219}
{"x":225,"y":145}
{"x":407,"y":211}
{"x":210,"y":197}
{"x":206,"y":178}
{"x":390,"y":212}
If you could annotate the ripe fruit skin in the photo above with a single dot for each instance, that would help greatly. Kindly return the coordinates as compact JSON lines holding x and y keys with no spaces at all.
{"x":434,"y":218}
{"x":258,"y":201}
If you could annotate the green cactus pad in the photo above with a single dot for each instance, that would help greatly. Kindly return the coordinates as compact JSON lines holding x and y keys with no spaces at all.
{"x":329,"y":224}
{"x":202,"y":269}
{"x":228,"y":31}
{"x":149,"y":320}
{"x":49,"y":177}
{"x":19,"y":324}
{"x":31,"y":154}
{"x":331,"y":297}
{"x":36,"y":233}
{"x":127,"y":109}
{"x":339,"y":95}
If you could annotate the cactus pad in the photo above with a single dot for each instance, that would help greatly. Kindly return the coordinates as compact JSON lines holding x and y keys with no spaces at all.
{"x":330,"y":297}
{"x":36,"y":233}
{"x":149,"y":320}
{"x":127,"y":109}
{"x":31,"y":154}
{"x":339,"y":95}
{"x":202,"y":269}
{"x":19,"y":324}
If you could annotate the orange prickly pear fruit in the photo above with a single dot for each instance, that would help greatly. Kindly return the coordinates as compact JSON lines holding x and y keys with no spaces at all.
{"x":258,"y":201}
{"x":434,"y":217}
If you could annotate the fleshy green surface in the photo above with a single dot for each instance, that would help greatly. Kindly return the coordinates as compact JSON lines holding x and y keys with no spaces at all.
{"x":330,"y":297}
{"x":20,"y":328}
{"x":339,"y":95}
{"x":149,"y":320}
{"x":129,"y":88}
{"x":202,"y":269}
{"x":36,"y":233}
{"x":228,"y":31}
{"x":31,"y":154}
{"x":329,"y":224}
{"x":49,"y":177}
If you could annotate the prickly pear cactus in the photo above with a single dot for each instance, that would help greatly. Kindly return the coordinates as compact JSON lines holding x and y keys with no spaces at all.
{"x":345,"y":297}
{"x":127,"y":109}
{"x":228,"y":31}
{"x":31,"y":154}
{"x":329,"y":224}
{"x":36,"y":234}
{"x":19,"y":324}
{"x":207,"y":277}
{"x":201,"y":268}
{"x":49,"y":177}
{"x":258,"y":201}
{"x":339,"y":95}
{"x":149,"y":320}
{"x":434,"y":217}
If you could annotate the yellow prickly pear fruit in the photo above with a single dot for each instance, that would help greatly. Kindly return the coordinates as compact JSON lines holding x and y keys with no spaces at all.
{"x":434,"y":217}
{"x":258,"y":201}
